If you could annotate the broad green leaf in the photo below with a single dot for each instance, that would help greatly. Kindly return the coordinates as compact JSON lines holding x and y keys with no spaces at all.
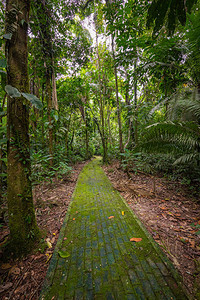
{"x":198,"y":232}
{"x":4,"y":160}
{"x":7,"y":36}
{"x":63,"y":254}
{"x":33,"y":99}
{"x":3,"y":63}
{"x":12,"y":91}
{"x":3,"y":175}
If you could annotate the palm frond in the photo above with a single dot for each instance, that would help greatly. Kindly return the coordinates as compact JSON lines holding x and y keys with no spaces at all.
{"x":174,"y":139}
{"x":187,"y":158}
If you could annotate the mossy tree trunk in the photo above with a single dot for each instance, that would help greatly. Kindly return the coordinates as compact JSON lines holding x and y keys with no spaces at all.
{"x":22,"y":221}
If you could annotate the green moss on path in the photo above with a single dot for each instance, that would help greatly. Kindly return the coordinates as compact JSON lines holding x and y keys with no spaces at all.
{"x":94,"y":258}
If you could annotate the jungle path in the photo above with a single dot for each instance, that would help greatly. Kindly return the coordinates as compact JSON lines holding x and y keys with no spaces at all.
{"x":94,"y":257}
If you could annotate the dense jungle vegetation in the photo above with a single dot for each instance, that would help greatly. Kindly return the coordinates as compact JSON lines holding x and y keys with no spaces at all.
{"x":119,"y":78}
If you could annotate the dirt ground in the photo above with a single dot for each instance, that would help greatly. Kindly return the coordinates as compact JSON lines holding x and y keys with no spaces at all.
{"x":168,"y":212}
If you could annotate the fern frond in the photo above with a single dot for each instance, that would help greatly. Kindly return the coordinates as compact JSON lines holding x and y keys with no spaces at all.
{"x":187,"y":158}
{"x":173,"y":139}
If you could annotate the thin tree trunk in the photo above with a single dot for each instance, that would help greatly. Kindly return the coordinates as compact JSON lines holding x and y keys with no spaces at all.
{"x":43,"y":115}
{"x":135,"y":105}
{"x":49,"y":110}
{"x":129,"y":123}
{"x":103,"y":136}
{"x":22,"y":221}
{"x":121,"y":147}
{"x":1,"y":152}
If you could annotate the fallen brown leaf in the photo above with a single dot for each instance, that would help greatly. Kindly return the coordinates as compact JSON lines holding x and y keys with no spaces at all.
{"x":6,"y":266}
{"x":135,"y":239}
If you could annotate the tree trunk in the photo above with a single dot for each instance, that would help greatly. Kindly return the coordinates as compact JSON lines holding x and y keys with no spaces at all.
{"x":22,"y":221}
{"x":129,"y":122}
{"x":1,"y":153}
{"x":135,"y":104}
{"x":121,"y":147}
{"x":102,"y":130}
{"x":49,"y":110}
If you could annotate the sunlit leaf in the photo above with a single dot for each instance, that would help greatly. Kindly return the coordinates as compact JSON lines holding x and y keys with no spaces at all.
{"x":63,"y":254}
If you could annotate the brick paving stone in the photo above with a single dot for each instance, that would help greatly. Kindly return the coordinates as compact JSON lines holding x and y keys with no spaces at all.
{"x":102,"y":263}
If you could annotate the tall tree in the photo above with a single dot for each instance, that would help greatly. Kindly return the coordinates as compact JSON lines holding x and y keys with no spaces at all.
{"x":22,"y":221}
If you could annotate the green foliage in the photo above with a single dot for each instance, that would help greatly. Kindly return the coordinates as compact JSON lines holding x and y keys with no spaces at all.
{"x":33,"y":100}
{"x":131,"y":161}
{"x":168,"y":13}
{"x":41,"y":171}
{"x":14,"y":93}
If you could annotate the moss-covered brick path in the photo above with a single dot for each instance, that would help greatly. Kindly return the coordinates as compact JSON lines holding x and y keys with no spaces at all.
{"x":94,"y":257}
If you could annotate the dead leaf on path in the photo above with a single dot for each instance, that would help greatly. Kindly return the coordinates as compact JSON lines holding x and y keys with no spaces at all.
{"x":164,"y":208}
{"x":192,"y":243}
{"x":6,"y":266}
{"x":111,"y":217}
{"x":135,"y":239}
{"x":48,"y":257}
{"x":48,"y":243}
{"x":164,"y":216}
{"x":177,"y":215}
